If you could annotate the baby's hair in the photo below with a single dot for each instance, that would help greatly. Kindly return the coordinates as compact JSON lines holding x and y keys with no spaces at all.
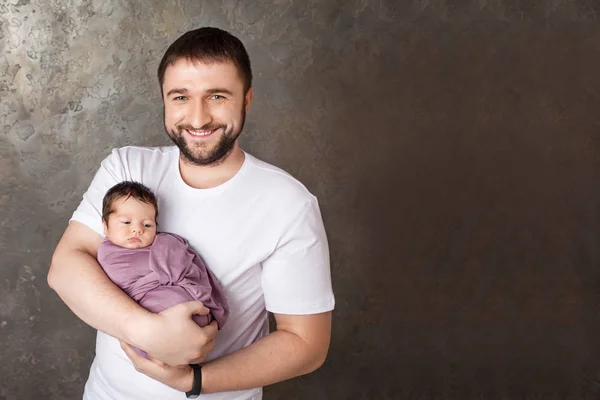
{"x":127,"y":189}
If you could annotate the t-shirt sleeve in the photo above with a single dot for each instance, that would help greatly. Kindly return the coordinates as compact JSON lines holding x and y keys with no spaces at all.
{"x":296,"y":278}
{"x":89,"y":212}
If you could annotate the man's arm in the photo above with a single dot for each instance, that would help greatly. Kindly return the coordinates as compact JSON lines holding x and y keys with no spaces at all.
{"x":295,"y":279}
{"x":298,"y":347}
{"x":82,"y":284}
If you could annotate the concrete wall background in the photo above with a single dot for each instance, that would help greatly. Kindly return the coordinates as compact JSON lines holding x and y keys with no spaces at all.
{"x":453,"y":145}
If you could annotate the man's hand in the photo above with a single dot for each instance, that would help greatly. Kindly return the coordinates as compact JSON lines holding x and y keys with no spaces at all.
{"x":174,"y":338}
{"x":179,"y":378}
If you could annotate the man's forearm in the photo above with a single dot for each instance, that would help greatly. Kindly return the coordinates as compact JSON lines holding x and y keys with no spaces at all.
{"x":278,"y":356}
{"x":80,"y":282}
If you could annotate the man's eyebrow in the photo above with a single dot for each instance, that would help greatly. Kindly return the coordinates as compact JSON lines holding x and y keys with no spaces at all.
{"x":219,"y":90}
{"x":177,"y":91}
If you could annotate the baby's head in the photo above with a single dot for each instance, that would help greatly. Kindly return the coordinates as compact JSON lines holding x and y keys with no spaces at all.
{"x":129,"y":212}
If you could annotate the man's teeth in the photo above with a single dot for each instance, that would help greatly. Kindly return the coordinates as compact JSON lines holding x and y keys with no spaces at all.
{"x":200,"y":132}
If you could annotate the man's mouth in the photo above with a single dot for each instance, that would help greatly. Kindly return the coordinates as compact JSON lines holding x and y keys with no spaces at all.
{"x":201,"y":132}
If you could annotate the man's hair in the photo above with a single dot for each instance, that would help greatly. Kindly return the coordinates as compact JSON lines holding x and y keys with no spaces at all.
{"x":127,"y":189}
{"x":208,"y":45}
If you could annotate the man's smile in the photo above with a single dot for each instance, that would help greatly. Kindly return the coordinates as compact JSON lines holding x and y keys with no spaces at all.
{"x":200,"y":132}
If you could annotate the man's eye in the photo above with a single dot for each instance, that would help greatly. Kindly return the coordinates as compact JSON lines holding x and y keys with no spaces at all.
{"x":179,"y":98}
{"x":217,"y":97}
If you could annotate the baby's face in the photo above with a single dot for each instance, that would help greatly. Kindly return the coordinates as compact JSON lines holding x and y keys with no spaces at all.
{"x":132,"y":224}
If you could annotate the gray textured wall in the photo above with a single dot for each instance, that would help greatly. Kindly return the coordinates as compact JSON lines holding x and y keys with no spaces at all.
{"x":453,"y":144}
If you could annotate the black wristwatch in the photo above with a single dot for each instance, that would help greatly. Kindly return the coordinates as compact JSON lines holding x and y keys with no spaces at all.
{"x":197,"y":385}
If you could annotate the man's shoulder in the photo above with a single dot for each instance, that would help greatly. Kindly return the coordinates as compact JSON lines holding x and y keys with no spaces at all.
{"x":276,"y":180}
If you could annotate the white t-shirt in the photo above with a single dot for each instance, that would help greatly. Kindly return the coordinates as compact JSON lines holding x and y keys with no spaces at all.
{"x":260,"y":233}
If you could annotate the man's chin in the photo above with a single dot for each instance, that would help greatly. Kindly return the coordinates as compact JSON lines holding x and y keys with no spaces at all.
{"x":199,"y":161}
{"x":203,"y":152}
{"x":203,"y":157}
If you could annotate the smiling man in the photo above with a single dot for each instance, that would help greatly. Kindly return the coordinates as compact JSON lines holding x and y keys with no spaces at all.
{"x":258,"y":229}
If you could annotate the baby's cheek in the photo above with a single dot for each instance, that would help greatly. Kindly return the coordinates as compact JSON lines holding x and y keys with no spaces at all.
{"x":152,"y":237}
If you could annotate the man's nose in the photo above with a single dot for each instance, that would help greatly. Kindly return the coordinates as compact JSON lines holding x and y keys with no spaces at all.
{"x":199,"y":115}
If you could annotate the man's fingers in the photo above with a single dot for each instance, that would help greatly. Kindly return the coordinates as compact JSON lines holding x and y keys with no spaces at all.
{"x":135,"y":358}
{"x":211,"y":330}
{"x":196,"y":307}
{"x":207,"y":342}
{"x":126,"y":348}
{"x":130,"y":352}
{"x":207,"y":349}
{"x":155,"y":361}
{"x":190,"y":308}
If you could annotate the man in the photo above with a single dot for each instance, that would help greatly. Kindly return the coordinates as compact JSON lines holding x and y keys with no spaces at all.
{"x":257,"y":228}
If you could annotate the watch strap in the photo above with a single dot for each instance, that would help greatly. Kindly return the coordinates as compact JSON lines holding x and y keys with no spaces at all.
{"x":197,"y":385}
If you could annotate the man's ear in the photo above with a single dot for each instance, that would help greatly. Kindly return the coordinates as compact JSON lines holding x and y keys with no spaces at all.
{"x":248,"y":99}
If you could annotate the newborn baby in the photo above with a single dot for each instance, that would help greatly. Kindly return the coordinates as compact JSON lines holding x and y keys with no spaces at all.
{"x":157,"y":270}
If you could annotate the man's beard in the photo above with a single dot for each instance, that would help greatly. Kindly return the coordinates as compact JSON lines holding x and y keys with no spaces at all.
{"x":215,"y":155}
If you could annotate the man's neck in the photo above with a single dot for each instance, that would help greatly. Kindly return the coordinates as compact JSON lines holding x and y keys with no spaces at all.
{"x":210,"y":176}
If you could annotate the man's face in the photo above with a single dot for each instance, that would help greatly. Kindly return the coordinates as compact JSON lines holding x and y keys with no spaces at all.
{"x":205,"y":108}
{"x":132,"y":223}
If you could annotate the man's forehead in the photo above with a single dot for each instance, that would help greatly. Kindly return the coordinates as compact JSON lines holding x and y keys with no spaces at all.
{"x":184,"y":68}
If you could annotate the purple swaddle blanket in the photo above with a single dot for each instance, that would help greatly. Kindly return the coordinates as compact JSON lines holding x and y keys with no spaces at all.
{"x":164,"y":274}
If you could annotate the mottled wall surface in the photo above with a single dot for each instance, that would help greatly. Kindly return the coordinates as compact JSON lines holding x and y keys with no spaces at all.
{"x":453,"y":145}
